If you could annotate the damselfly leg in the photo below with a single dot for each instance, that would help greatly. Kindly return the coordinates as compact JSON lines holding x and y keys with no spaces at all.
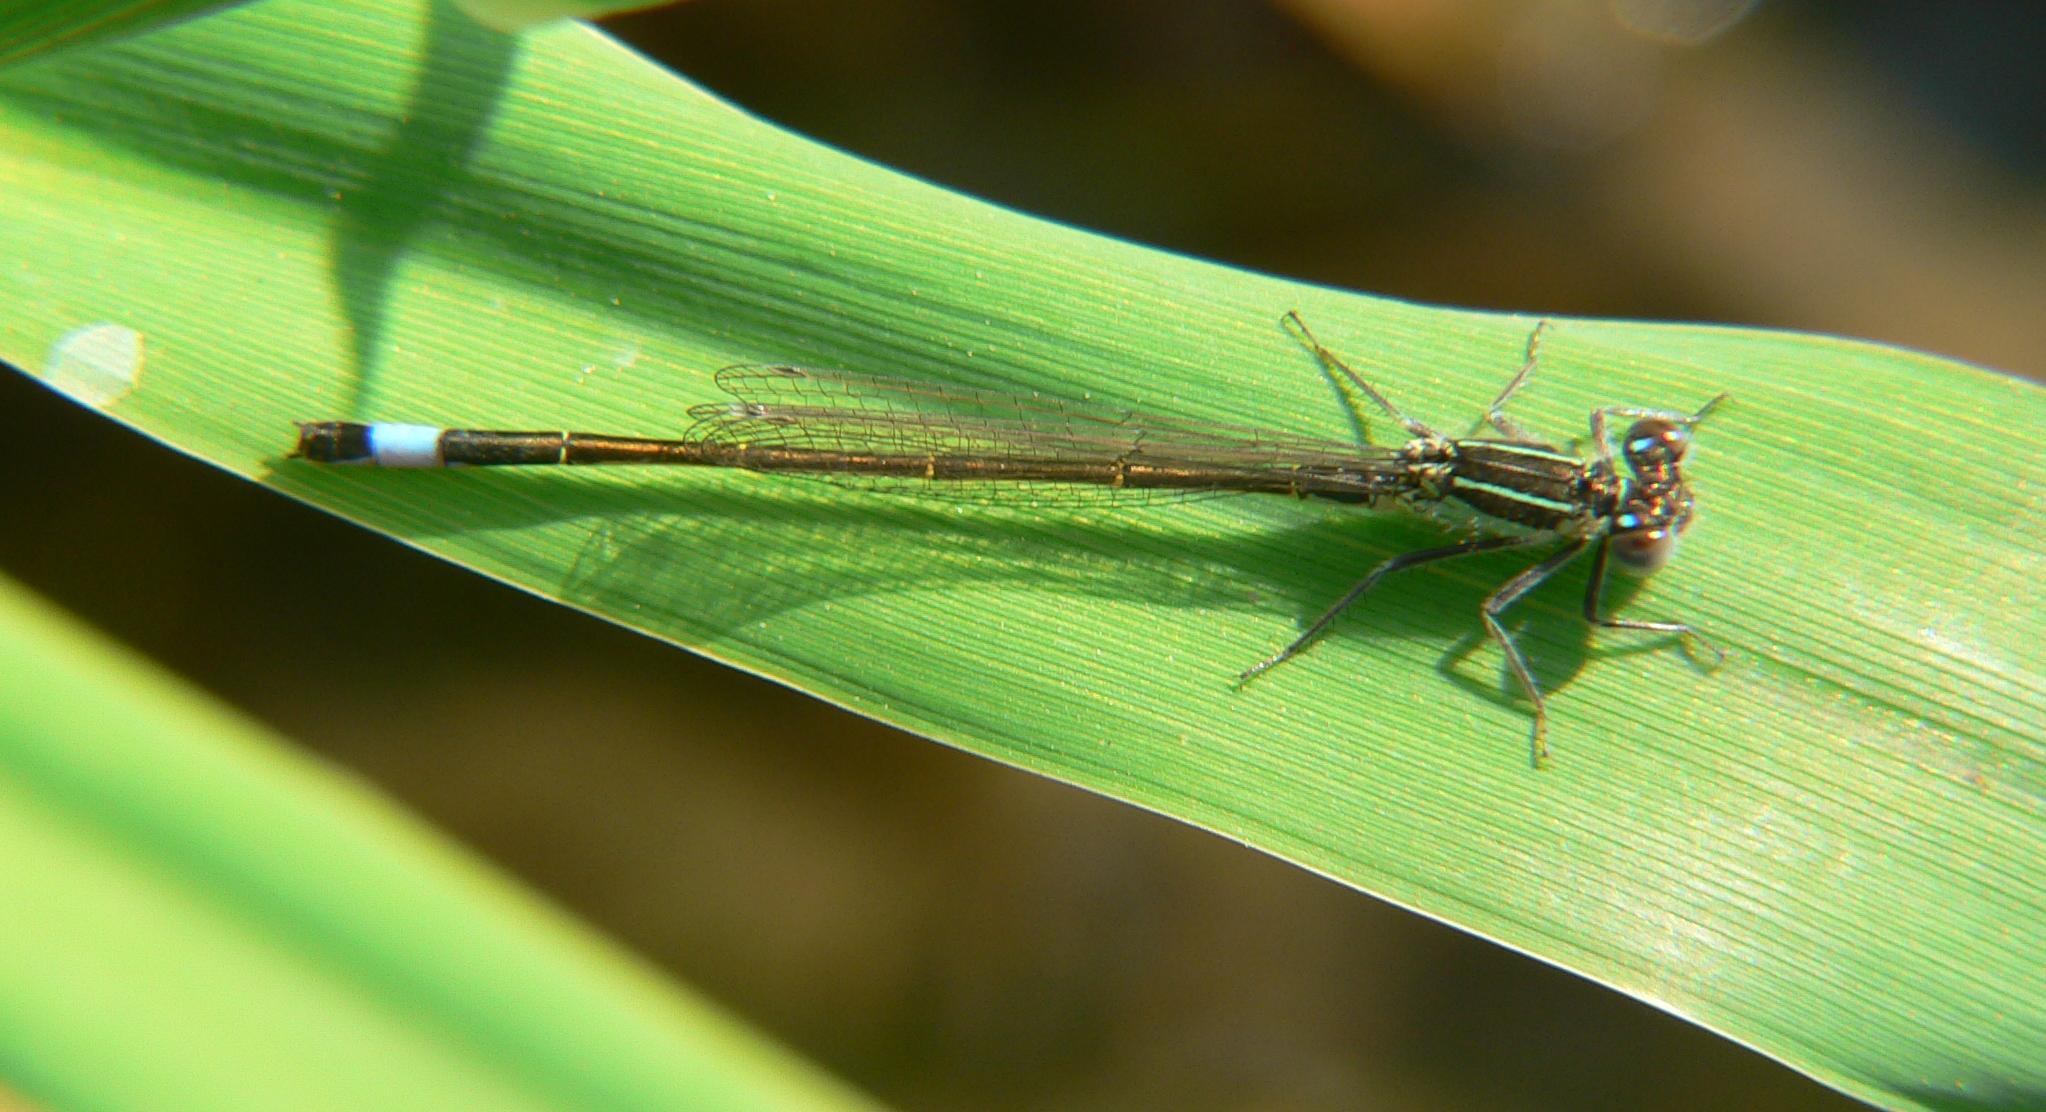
{"x":1496,"y":414}
{"x":1330,"y":359}
{"x":1397,"y":563}
{"x":1596,"y":588}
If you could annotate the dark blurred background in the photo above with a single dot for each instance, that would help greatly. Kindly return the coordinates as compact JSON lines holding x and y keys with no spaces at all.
{"x":949,"y":934}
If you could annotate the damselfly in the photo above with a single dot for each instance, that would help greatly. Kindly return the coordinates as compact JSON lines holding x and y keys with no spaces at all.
{"x":1509,"y":491}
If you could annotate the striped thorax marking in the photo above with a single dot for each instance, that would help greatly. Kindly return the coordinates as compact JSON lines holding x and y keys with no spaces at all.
{"x":1528,"y":485}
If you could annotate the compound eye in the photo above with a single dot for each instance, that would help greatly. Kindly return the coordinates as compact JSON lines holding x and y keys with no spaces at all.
{"x":1654,"y":441}
{"x":1645,"y":550}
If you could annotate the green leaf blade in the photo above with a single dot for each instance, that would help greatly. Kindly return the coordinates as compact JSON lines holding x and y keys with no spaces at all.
{"x":1829,"y":849}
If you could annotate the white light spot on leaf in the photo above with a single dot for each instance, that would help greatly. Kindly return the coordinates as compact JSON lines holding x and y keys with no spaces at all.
{"x":97,"y":364}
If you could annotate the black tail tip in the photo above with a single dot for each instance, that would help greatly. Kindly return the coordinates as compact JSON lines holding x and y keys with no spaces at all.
{"x":332,"y":442}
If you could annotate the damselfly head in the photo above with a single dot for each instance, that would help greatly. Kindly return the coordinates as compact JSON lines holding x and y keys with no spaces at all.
{"x":1645,"y":550}
{"x":1657,"y":507}
{"x":1655,"y":445}
{"x":1656,"y":511}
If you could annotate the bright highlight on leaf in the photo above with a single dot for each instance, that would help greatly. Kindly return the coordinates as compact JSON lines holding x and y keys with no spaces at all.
{"x":1829,"y":849}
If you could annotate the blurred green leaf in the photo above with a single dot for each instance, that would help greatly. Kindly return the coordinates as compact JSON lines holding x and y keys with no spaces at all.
{"x":199,"y":919}
{"x":1830,"y":849}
